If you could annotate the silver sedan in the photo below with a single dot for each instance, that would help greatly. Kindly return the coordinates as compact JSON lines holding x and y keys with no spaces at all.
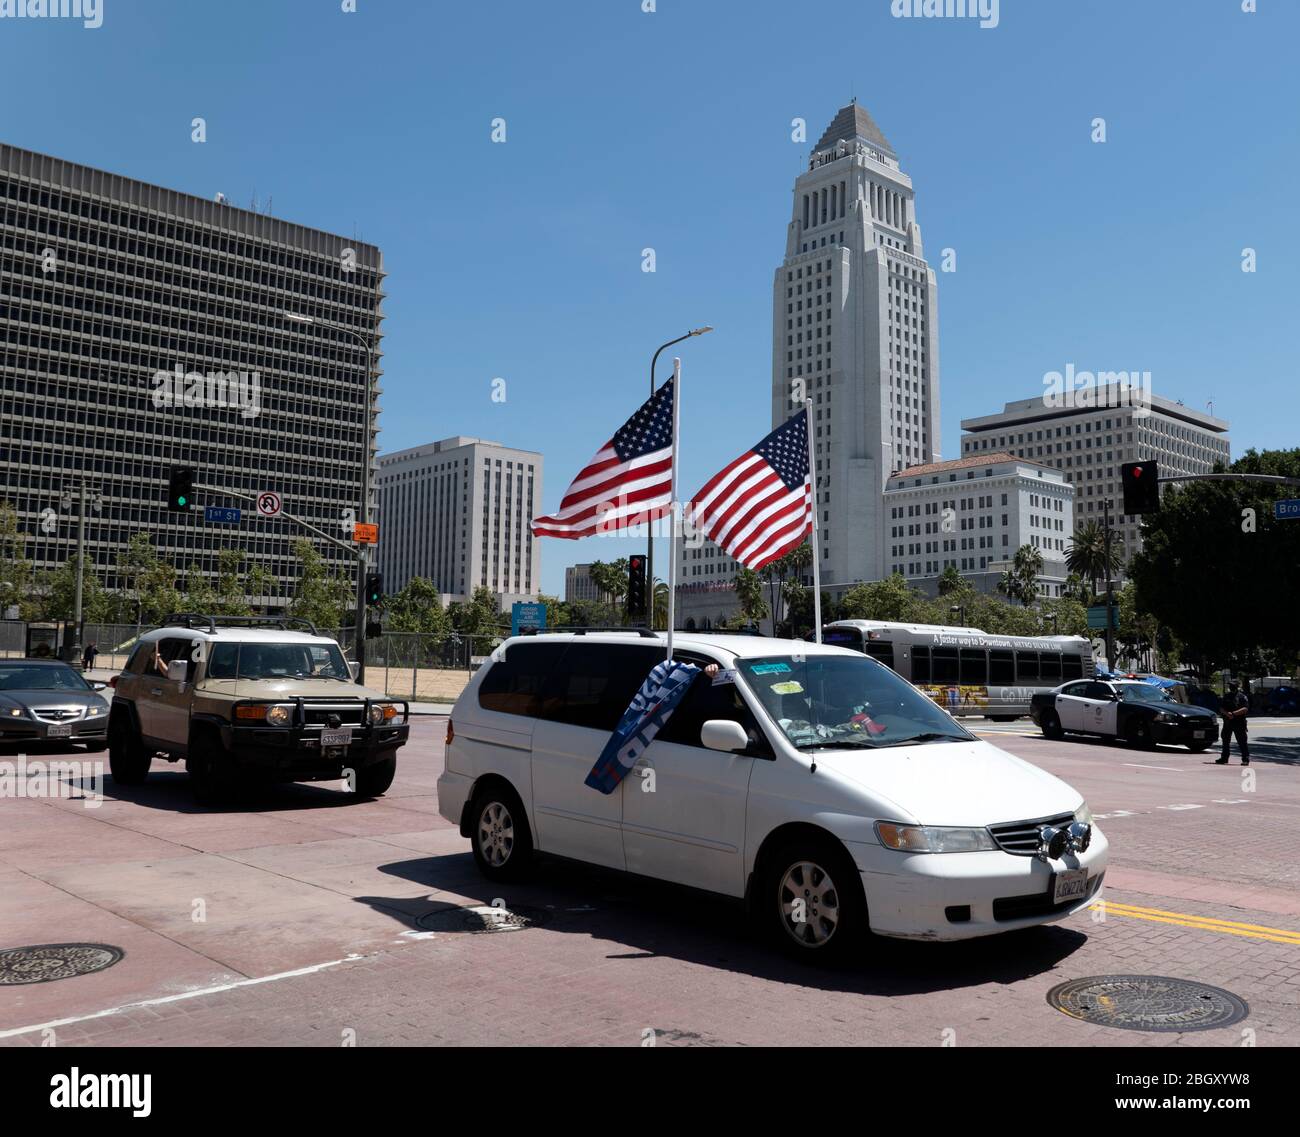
{"x":48,"y":701}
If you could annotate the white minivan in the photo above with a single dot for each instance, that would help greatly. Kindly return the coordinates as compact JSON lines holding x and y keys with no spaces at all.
{"x":808,"y":780}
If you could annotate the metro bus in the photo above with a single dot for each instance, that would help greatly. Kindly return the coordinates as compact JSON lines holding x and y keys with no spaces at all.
{"x":965,"y":670}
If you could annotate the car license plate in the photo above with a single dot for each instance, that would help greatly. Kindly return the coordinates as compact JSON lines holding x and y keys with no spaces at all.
{"x":1070,"y":885}
{"x":335,"y":738}
{"x":59,"y":730}
{"x":1200,"y":734}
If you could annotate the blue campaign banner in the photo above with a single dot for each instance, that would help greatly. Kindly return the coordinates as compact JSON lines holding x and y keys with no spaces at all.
{"x":524,"y":615}
{"x":227,"y":515}
{"x":1289,"y":507}
{"x":651,"y":707}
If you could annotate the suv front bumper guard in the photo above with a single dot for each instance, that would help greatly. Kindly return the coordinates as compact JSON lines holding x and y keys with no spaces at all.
{"x":295,"y":749}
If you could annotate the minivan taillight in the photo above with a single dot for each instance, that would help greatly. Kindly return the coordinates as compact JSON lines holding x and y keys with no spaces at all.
{"x":451,"y":732}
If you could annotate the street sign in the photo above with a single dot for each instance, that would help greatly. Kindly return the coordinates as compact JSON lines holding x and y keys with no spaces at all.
{"x":365,"y":534}
{"x":1097,"y":617}
{"x":227,"y":515}
{"x":269,"y":503}
{"x":1285,"y":509}
{"x":526,"y":616}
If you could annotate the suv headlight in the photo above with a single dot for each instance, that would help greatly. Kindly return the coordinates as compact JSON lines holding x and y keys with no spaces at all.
{"x":933,"y":838}
{"x":279,"y":715}
{"x":381,"y":713}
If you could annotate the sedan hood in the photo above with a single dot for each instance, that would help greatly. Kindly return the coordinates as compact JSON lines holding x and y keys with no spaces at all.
{"x":43,"y":697}
{"x":955,"y":783}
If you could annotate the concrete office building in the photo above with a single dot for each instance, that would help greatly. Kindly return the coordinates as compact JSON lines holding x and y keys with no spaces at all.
{"x":855,"y":316}
{"x":457,"y":513}
{"x":578,"y":585}
{"x":141,"y":328}
{"x":974,"y":513}
{"x":1088,"y":444}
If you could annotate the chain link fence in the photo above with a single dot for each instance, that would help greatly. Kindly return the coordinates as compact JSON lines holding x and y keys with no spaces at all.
{"x":406,"y":665}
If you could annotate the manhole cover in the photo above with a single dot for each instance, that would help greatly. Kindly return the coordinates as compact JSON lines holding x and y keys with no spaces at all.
{"x":476,"y":918}
{"x":43,"y":963}
{"x":1147,"y":1002}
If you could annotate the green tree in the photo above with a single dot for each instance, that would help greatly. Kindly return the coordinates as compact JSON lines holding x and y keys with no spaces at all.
{"x":749,"y":593}
{"x":150,"y":580}
{"x":889,"y":599}
{"x":15,"y":569}
{"x":1086,"y":556}
{"x":320,"y":595}
{"x":1217,"y":571}
{"x":1020,"y":582}
{"x":58,"y":593}
{"x":417,"y":608}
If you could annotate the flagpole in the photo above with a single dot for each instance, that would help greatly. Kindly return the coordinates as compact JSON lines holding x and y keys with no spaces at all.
{"x":672,"y":513}
{"x":816,"y":557}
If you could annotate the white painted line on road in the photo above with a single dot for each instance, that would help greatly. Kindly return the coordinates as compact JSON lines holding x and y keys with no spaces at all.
{"x":1177,"y":807}
{"x":1144,"y":766}
{"x":195,"y":994}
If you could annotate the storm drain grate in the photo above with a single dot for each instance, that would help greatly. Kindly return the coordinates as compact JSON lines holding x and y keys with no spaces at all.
{"x":1147,"y":1002}
{"x":43,"y":963}
{"x":481,"y":918}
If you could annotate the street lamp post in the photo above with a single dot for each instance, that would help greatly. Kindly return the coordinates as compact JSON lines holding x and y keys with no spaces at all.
{"x":650,"y":539}
{"x":1110,"y":595}
{"x":359,"y":632}
{"x":72,"y":652}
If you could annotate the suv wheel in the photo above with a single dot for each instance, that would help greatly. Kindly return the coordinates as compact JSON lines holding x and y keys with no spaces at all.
{"x":502,"y":843}
{"x":810,"y":898}
{"x":208,"y":765}
{"x":128,"y":761}
{"x":374,"y":780}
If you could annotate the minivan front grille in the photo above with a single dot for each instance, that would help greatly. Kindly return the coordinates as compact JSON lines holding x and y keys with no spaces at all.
{"x":1021,"y":837}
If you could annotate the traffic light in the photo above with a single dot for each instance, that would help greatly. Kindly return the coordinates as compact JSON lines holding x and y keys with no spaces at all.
{"x":374,"y":589}
{"x":180,"y":489}
{"x":374,"y":629}
{"x":636,"y":590}
{"x":1141,"y":487}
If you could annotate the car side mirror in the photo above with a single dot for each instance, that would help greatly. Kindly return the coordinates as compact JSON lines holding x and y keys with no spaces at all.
{"x":178,"y":670}
{"x":353,"y":668}
{"x":724,"y":735}
{"x":96,"y":685}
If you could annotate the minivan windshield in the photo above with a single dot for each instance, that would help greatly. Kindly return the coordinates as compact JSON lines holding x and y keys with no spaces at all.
{"x":845,"y":701}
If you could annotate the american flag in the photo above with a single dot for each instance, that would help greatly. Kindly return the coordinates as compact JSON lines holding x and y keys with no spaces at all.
{"x":760,"y":507}
{"x":628,"y":482}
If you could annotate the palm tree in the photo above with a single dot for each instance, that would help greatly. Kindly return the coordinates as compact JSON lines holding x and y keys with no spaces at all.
{"x":1020,"y":582}
{"x":1086,"y":554}
{"x":749,"y":591}
{"x":661,"y":605}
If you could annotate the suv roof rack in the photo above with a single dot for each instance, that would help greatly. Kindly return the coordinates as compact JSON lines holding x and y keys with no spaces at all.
{"x":582,"y":630}
{"x":193,"y":619}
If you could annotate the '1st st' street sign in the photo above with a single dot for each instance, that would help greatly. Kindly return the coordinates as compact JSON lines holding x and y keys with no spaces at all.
{"x":1290,"y":507}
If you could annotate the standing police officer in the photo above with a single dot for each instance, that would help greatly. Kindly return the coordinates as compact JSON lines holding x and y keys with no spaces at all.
{"x":1233,"y":709}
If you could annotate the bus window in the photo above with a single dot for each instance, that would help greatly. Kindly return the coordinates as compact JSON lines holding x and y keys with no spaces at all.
{"x":1026,"y":667}
{"x":1002,"y":667}
{"x":944,"y":665}
{"x":1072,"y":667}
{"x":881,"y":650}
{"x":974,"y":667}
{"x":843,"y":637}
{"x":1051,"y":672}
{"x":920,"y":665}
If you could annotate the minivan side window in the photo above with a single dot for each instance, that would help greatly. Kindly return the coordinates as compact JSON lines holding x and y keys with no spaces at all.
{"x":513,"y":685}
{"x":705,"y":701}
{"x":594,"y":683}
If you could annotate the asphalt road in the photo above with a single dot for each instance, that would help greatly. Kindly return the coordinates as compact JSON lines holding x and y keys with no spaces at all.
{"x":297,"y":918}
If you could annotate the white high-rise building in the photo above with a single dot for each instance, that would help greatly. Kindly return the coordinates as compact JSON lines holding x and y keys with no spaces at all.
{"x":855,"y":316}
{"x":457,"y":513}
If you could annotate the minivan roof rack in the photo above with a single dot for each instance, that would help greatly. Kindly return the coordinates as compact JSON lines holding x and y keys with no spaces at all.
{"x":582,"y":630}
{"x":194,"y":619}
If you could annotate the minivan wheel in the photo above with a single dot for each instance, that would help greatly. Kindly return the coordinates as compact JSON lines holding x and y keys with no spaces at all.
{"x":816,"y":909}
{"x":502,"y":843}
{"x":1051,"y":725}
{"x":128,"y":761}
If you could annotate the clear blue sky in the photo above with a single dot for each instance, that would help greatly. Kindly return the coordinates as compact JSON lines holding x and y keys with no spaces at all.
{"x":671,"y":130}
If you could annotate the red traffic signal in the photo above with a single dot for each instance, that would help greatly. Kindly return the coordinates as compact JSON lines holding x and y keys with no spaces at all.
{"x":1141,"y":482}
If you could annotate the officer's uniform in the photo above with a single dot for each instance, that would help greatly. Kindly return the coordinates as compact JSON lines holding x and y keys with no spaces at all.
{"x":1235,"y":728}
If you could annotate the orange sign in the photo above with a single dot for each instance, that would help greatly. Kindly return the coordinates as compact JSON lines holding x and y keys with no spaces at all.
{"x":365,"y":534}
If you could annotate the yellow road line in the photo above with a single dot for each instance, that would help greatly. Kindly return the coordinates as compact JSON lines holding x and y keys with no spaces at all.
{"x":1201,"y":923}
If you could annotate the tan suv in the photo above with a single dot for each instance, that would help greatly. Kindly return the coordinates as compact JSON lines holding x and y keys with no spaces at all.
{"x":250,"y":698}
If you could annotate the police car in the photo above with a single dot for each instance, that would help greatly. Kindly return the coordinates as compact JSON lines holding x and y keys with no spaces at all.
{"x":1139,"y":713}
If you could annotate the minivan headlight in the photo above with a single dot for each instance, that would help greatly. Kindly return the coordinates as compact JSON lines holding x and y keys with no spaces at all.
{"x":1084,"y":814}
{"x":279,"y":715}
{"x":933,"y":838}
